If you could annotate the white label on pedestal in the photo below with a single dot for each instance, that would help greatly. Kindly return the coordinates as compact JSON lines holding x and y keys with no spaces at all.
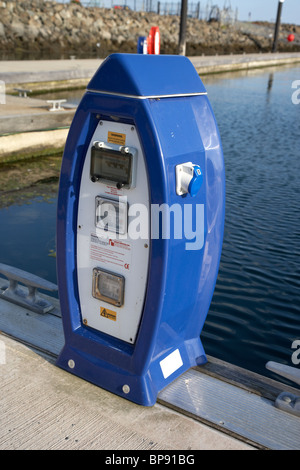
{"x":171,"y":363}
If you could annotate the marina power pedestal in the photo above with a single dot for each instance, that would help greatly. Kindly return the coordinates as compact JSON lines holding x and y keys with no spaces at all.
{"x":139,"y":225}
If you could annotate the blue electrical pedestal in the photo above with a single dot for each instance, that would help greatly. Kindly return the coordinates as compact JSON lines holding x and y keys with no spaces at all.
{"x":139,"y":225}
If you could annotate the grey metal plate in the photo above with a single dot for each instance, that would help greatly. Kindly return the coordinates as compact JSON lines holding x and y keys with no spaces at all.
{"x":234,"y":410}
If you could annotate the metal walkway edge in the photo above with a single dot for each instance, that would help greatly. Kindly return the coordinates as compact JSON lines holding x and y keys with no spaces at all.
{"x":244,"y":414}
{"x":223,"y":414}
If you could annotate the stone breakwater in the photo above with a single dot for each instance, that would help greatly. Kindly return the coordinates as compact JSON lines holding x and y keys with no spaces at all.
{"x":46,"y":27}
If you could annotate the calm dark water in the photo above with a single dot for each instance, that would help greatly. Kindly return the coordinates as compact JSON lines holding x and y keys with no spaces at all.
{"x":255,"y":311}
{"x":27,"y":236}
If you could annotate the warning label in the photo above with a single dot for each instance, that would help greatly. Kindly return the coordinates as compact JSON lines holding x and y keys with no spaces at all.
{"x":110,"y":314}
{"x":110,"y":251}
{"x":116,"y":138}
{"x":113,"y":190}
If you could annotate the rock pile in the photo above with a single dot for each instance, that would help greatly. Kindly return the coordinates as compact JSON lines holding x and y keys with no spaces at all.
{"x":50,"y":29}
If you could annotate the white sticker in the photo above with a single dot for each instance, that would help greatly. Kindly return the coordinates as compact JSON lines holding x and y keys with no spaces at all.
{"x":110,"y":251}
{"x":171,"y":363}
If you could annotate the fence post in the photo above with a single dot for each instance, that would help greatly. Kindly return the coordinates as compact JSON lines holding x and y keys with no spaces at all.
{"x":182,"y":32}
{"x":277,"y":26}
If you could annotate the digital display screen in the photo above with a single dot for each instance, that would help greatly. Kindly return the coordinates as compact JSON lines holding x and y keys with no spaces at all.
{"x":111,"y":165}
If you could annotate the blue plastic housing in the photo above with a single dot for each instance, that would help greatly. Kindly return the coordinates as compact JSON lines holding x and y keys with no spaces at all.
{"x":173,"y":129}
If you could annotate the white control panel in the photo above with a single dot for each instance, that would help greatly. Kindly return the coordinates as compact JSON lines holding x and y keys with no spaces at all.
{"x":112,"y":265}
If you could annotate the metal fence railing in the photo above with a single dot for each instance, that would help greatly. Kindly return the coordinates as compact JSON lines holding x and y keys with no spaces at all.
{"x":155,"y":6}
{"x":202,"y":10}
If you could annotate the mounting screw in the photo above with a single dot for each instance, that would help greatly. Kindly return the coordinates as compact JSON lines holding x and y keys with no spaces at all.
{"x":85,"y":321}
{"x":126,"y":388}
{"x":71,"y":363}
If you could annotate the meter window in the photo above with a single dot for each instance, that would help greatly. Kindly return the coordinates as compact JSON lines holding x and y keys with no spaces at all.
{"x":108,"y":287}
{"x":111,"y":165}
{"x":111,"y":215}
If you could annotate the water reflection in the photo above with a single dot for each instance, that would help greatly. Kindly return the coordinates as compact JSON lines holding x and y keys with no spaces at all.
{"x":28,"y":193}
{"x":22,"y":181}
{"x":269,"y":86}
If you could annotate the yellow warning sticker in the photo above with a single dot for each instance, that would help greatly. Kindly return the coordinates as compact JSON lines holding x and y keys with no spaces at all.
{"x":110,"y":314}
{"x":116,"y":138}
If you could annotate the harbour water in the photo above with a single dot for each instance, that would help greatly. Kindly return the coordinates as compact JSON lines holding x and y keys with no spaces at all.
{"x":255,"y":311}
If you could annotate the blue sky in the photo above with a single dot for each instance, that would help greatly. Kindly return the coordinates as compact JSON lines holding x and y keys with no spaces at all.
{"x":263,"y":9}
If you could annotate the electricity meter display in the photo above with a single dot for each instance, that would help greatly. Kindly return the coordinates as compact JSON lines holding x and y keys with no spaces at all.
{"x":111,"y":215}
{"x":111,"y":165}
{"x":108,"y":287}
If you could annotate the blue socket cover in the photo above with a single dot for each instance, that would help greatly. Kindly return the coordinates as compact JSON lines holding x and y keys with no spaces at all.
{"x":196,"y":181}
